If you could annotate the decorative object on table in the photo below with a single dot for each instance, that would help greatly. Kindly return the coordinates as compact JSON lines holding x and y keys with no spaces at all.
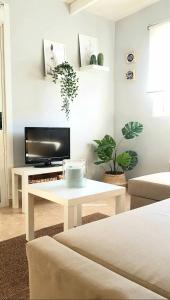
{"x":100,"y":59}
{"x":69,"y":84}
{"x":130,"y":75}
{"x":54,"y":54}
{"x":130,"y":57}
{"x":93,"y":60}
{"x":88,"y":46}
{"x":74,"y":173}
{"x":118,"y":163}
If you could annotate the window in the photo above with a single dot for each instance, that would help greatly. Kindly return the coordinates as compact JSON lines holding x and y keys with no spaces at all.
{"x":159,"y":69}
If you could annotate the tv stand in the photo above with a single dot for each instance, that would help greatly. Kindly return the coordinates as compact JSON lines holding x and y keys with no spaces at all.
{"x":21,"y":177}
{"x":47,"y":165}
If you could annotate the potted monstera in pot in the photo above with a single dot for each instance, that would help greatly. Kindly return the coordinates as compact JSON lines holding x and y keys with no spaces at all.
{"x":118,"y":163}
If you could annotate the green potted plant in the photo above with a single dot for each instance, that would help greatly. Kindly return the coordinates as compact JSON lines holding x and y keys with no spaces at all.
{"x":69,"y":84}
{"x":117,"y":163}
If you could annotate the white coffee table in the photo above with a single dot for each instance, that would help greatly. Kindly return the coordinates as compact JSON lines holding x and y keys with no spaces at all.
{"x":71,"y":199}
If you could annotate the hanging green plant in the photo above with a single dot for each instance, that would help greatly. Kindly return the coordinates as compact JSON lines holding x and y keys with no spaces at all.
{"x":69,"y":84}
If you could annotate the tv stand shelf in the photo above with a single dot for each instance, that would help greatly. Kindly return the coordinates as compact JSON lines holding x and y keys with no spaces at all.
{"x":44,"y":177}
{"x":23,"y":176}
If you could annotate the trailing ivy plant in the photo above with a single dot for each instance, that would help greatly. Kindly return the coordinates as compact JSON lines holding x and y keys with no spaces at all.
{"x":108,"y":150}
{"x":69,"y":84}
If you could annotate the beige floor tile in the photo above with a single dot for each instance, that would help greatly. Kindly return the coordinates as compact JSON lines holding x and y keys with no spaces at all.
{"x":12,"y":221}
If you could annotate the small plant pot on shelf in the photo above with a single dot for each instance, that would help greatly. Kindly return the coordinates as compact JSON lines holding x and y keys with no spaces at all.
{"x":118,"y":179}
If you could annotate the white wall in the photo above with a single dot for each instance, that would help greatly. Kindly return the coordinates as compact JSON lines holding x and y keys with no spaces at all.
{"x":37,"y":101}
{"x":131,"y":100}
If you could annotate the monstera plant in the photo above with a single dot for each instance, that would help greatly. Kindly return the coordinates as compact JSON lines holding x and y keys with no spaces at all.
{"x":108,"y":153}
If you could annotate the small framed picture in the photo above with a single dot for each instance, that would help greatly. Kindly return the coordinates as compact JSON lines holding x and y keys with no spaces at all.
{"x":88,"y":46}
{"x":130,"y":57}
{"x":130,"y":75}
{"x":54,"y":54}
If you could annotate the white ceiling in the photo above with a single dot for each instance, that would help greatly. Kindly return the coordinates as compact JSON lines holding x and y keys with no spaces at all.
{"x":116,"y":9}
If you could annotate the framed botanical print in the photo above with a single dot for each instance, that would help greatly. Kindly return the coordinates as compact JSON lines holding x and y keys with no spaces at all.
{"x":54,"y":54}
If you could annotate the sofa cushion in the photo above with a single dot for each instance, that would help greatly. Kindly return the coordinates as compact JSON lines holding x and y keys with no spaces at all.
{"x":136,"y":201}
{"x":57,"y":272}
{"x":154,"y":186}
{"x":134,"y":244}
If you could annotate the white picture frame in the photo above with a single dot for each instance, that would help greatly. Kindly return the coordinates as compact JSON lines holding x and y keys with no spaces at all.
{"x":54,"y":54}
{"x":88,"y":46}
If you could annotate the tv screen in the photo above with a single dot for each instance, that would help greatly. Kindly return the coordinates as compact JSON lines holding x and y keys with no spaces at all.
{"x":44,"y":144}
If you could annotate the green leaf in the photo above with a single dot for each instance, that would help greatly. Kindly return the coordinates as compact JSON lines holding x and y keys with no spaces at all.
{"x":109,"y":141}
{"x":133,"y":162}
{"x":99,"y":162}
{"x":105,"y":154}
{"x":105,"y":148}
{"x":97,"y":142}
{"x":132,"y":130}
{"x":123,"y":159}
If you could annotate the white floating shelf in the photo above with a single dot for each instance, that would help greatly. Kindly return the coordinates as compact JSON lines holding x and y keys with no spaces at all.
{"x":94,"y":68}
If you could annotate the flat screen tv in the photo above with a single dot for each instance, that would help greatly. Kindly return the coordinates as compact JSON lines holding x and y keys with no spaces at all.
{"x":44,"y":145}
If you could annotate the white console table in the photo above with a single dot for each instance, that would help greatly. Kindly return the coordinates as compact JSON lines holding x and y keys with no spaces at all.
{"x":24,"y":173}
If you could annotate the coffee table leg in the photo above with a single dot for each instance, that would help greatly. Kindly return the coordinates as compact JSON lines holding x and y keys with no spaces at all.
{"x":29,"y":214}
{"x":68,"y":217}
{"x":120,"y":204}
{"x":79,"y":215}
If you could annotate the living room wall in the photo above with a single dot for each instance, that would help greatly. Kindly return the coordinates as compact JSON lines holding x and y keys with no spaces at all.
{"x":131,"y":99}
{"x":36,"y":100}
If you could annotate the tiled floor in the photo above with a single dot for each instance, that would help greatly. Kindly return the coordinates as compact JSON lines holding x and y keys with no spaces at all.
{"x":12,"y":221}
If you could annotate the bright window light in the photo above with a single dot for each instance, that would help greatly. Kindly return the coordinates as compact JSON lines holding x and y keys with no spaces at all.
{"x":159,"y":69}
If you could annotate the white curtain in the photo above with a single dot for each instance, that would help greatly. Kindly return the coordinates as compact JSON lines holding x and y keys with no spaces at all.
{"x":159,"y":68}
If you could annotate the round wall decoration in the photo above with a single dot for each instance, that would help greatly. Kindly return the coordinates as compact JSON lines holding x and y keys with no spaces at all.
{"x":130,"y":75}
{"x":130,"y":57}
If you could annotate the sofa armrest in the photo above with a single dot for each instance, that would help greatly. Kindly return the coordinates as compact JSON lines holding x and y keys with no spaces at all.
{"x":57,"y":272}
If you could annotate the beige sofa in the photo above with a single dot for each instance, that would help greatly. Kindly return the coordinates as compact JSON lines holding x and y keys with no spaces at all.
{"x":149,"y":189}
{"x":126,"y":256}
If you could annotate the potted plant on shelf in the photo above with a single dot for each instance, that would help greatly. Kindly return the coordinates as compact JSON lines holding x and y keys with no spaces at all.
{"x":108,"y":153}
{"x":69,"y":84}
